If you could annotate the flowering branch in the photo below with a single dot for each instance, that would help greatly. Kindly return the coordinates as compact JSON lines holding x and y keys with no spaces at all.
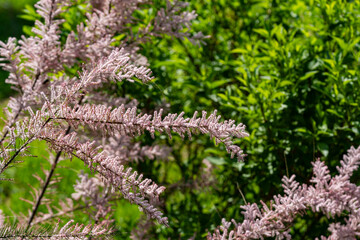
{"x":128,"y":122}
{"x":129,"y":183}
{"x":330,"y":195}
{"x":68,"y":231}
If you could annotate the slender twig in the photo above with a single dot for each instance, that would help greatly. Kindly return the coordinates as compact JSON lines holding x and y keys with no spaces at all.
{"x":242,"y":195}
{"x":71,"y":210}
{"x":286,"y":165}
{"x":18,"y":112}
{"x":30,"y":139}
{"x":12,"y":124}
{"x":47,"y":182}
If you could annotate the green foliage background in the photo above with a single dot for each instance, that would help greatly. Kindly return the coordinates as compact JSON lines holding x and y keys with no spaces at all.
{"x":10,"y":26}
{"x":288,"y":70}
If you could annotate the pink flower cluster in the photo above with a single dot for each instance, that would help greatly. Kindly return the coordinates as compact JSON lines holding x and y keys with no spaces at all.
{"x":333,"y":196}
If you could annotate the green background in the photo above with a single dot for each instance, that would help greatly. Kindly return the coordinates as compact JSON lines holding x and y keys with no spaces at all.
{"x":11,"y":25}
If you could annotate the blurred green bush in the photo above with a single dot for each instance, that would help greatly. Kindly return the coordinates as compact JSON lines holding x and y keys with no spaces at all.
{"x":11,"y":26}
{"x":289,"y":70}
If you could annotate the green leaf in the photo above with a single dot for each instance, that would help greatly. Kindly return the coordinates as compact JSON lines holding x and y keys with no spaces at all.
{"x":332,"y":111}
{"x":308,"y":75}
{"x":341,"y":43}
{"x":323,"y":148}
{"x":285,"y":83}
{"x":239,"y":165}
{"x":216,"y":160}
{"x":278,"y":95}
{"x":218,"y":83}
{"x":238,"y":50}
{"x":27,"y":17}
{"x":223,"y":96}
{"x":262,"y":32}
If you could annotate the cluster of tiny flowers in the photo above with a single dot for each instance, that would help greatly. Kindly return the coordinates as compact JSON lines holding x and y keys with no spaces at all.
{"x":332,"y":196}
{"x":126,"y":121}
{"x":132,"y":185}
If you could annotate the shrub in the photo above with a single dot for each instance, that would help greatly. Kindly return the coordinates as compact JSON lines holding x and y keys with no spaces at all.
{"x":61,"y":73}
{"x":279,"y":68}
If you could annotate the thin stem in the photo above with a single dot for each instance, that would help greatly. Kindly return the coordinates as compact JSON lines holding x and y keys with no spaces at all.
{"x":15,"y":155}
{"x":19,"y":111}
{"x":242,"y":195}
{"x":47,"y":182}
{"x":53,"y":167}
{"x":22,"y":148}
{"x":12,"y":124}
{"x":71,"y":210}
{"x":286,"y":165}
